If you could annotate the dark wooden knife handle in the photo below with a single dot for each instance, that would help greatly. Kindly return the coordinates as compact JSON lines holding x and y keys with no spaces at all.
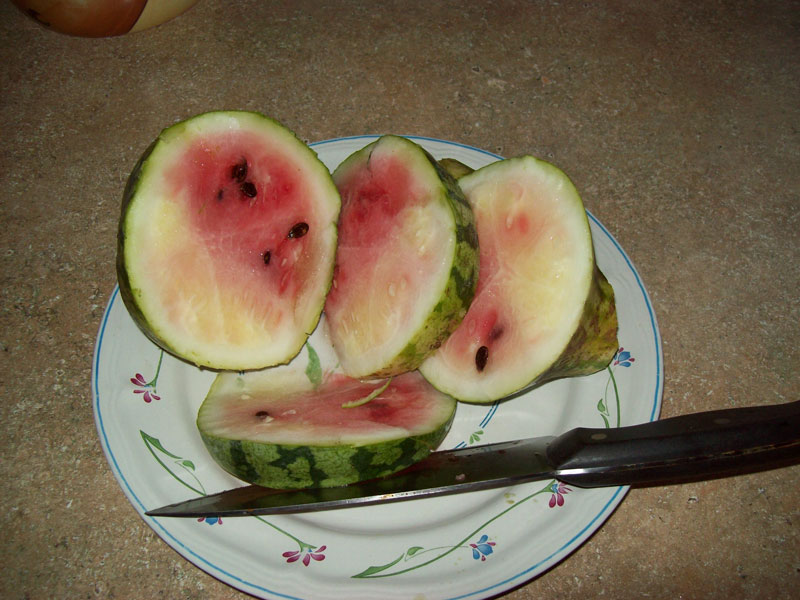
{"x":680,"y":449}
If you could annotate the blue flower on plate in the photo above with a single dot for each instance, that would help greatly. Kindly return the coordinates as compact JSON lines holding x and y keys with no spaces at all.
{"x":482,"y":548}
{"x":210,"y":520}
{"x":623,"y":358}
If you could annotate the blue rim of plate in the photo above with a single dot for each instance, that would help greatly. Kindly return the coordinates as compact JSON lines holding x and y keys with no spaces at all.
{"x":499,"y":587}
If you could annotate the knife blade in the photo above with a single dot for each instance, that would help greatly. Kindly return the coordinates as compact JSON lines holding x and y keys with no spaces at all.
{"x":680,"y":449}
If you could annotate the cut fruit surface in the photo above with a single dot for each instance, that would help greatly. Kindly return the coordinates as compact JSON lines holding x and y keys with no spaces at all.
{"x":542,"y":309}
{"x":275,"y":428}
{"x":227,"y":240}
{"x":407,"y":260}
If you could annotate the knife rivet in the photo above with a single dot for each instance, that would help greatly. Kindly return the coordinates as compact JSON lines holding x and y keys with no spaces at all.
{"x":599,"y":436}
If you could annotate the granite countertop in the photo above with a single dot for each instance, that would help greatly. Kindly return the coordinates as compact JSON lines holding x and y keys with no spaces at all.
{"x":677,"y":121}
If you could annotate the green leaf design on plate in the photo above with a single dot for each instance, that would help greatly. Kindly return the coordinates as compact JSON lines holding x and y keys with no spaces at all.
{"x":372,"y":571}
{"x":186,"y":466}
{"x":475,"y":436}
{"x":157,"y":449}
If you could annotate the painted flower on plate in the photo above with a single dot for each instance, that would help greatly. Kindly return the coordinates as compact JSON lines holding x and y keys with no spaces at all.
{"x":307,"y":555}
{"x":482,"y":548}
{"x":144,"y":387}
{"x":558,"y":490}
{"x":623,"y":358}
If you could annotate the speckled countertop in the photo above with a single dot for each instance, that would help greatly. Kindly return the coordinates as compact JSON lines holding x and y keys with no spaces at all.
{"x":678,"y":121}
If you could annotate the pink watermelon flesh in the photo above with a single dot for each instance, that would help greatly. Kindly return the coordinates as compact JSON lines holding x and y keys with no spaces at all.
{"x":367,"y":221}
{"x":319,"y":417}
{"x":248,"y":207}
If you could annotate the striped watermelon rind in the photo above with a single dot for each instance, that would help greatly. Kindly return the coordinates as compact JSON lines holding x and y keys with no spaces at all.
{"x":284,"y":466}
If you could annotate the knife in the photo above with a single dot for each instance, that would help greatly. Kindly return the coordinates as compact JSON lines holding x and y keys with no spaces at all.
{"x":686,"y":448}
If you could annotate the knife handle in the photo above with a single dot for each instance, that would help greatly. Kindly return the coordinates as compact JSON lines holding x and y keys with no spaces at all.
{"x":680,"y":449}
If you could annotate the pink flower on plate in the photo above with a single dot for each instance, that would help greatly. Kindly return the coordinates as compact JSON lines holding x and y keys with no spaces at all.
{"x":559,"y":490}
{"x":307,"y":555}
{"x":144,"y":387}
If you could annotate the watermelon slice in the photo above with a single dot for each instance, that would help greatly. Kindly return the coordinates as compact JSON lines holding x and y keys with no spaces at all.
{"x":275,"y":428}
{"x":227,"y":241}
{"x":543,"y":309}
{"x":407,"y":260}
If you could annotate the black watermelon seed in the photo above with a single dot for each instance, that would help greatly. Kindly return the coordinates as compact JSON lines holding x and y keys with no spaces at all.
{"x":262,"y":414}
{"x":298,"y":231}
{"x":266,"y":256}
{"x":249,"y":189}
{"x":239,"y":171}
{"x":481,"y":357}
{"x":220,"y":194}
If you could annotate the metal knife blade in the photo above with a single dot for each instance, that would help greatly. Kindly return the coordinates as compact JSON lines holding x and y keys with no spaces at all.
{"x":685,"y":448}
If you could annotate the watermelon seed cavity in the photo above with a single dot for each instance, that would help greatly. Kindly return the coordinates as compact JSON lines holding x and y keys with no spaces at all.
{"x":249,"y":189}
{"x":266,"y":256}
{"x":495,"y":333}
{"x":298,"y":231}
{"x":263,"y":415}
{"x":481,"y":358}
{"x":239,"y":171}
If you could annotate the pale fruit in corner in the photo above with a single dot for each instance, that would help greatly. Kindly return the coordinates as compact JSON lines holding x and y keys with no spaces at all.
{"x":102,"y":18}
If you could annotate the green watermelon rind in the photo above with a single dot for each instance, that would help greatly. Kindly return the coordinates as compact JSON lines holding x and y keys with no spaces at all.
{"x":286,"y":466}
{"x":127,"y":291}
{"x":131,"y":293}
{"x":458,"y":290}
{"x":594,"y":342}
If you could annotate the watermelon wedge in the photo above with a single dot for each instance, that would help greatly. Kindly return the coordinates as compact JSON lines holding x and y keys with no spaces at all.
{"x":407,"y":260}
{"x":227,"y":240}
{"x":543,"y":309}
{"x":277,"y":429}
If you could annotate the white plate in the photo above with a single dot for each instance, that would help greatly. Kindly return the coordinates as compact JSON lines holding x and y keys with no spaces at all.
{"x":472,"y":545}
